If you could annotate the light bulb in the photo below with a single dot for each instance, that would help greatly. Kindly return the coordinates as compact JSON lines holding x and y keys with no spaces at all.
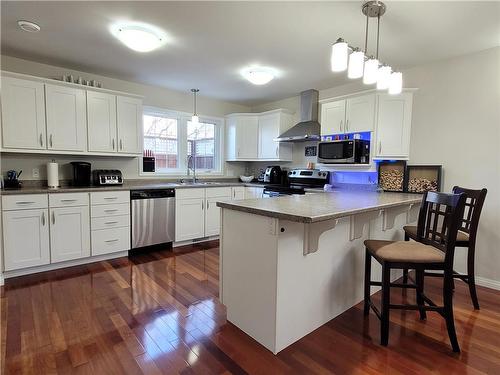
{"x":195,"y":119}
{"x":383,"y":77}
{"x":396,"y":83}
{"x":340,"y":51}
{"x":356,"y":62}
{"x":371,"y":71}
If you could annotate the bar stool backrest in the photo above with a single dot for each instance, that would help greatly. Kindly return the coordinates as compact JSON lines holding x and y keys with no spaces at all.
{"x":473,"y":206}
{"x":439,"y":219}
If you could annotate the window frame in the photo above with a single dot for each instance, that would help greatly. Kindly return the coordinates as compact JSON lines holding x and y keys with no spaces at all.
{"x":182,"y":148}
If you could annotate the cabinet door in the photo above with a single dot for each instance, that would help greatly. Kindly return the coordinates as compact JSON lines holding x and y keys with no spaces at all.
{"x":23,"y":114}
{"x":101,"y":115}
{"x":212,"y":216}
{"x":254,"y":192}
{"x":333,"y":117}
{"x":269,"y":126}
{"x":69,"y":233}
{"x":394,"y":126}
{"x":247,"y":137}
{"x":238,"y":193}
{"x":360,"y":115}
{"x":129,"y":123}
{"x":189,"y":219}
{"x":26,"y":238}
{"x":66,"y":118}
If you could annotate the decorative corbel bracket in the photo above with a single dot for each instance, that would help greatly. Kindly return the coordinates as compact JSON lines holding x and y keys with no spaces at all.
{"x":412,"y":214}
{"x":358,"y":221}
{"x":312,"y":232}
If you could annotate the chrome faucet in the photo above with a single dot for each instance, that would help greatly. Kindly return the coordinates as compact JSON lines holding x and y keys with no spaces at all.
{"x":192,"y":159}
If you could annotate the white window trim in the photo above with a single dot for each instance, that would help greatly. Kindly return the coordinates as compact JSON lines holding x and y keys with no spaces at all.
{"x":182,"y":119}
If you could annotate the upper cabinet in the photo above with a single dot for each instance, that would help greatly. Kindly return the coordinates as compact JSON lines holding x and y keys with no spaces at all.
{"x":101,"y":120}
{"x":66,"y":118}
{"x":23,"y":114}
{"x":129,"y":119}
{"x":251,"y":136}
{"x":39,"y":115}
{"x":393,"y":126}
{"x":350,"y":115}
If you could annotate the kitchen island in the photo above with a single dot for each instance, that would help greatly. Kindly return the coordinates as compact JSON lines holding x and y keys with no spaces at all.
{"x":290,"y":264}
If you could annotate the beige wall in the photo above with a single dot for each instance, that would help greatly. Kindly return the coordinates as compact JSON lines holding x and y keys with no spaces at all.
{"x":153,"y":96}
{"x":456,"y":123}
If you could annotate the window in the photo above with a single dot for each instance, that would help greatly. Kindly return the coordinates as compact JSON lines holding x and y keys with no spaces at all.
{"x":171,"y":138}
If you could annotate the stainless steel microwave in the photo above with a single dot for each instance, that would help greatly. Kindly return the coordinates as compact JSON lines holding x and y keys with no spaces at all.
{"x":345,"y":151}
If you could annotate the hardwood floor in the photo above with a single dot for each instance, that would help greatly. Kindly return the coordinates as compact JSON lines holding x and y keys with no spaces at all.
{"x":159,"y":313}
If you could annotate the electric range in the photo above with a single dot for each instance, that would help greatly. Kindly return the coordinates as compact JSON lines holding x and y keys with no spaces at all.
{"x":298,"y":181}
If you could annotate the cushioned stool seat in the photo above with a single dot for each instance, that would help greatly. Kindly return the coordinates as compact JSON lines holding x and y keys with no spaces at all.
{"x":404,"y":251}
{"x":411,"y":231}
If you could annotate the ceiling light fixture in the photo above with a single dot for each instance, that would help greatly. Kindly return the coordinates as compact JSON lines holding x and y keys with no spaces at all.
{"x":195,"y":119}
{"x":28,"y":26}
{"x":358,"y":64}
{"x":139,"y":37}
{"x":259,"y":75}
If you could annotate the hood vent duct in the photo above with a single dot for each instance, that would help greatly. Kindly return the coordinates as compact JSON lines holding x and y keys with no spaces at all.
{"x":308,"y":129}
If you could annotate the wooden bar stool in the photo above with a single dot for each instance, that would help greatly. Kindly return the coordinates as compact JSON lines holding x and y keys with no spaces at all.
{"x":438,"y":222}
{"x":466,"y":237}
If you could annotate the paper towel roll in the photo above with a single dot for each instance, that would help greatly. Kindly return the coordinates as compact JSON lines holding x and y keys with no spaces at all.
{"x":52,"y":175}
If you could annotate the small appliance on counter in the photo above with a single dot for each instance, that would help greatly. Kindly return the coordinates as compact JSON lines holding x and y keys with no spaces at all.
{"x":52,"y":175}
{"x":81,"y":173}
{"x":12,"y":181}
{"x":273,"y":175}
{"x":107,"y":177}
{"x":148,"y":161}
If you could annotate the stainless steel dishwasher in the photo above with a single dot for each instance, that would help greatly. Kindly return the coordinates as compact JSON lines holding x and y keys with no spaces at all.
{"x":153,"y":217}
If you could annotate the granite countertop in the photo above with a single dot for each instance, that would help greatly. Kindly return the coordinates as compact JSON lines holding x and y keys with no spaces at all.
{"x":320,"y":207}
{"x":132,"y":185}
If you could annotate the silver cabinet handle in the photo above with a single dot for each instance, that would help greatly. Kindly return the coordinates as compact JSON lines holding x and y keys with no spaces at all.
{"x":111,"y":222}
{"x":238,"y":152}
{"x":341,"y":127}
{"x":276,"y":151}
{"x":379,"y":147}
{"x":25,"y":202}
{"x":68,"y":200}
{"x":347,"y":125}
{"x":41,"y":139}
{"x":110,"y":198}
{"x":111,"y":210}
{"x":202,"y":205}
{"x":113,"y":240}
{"x":43,"y":218}
{"x":53,"y":217}
{"x":50,"y":140}
{"x":113,"y":143}
{"x":234,"y":193}
{"x":121,"y":144}
{"x":208,"y":205}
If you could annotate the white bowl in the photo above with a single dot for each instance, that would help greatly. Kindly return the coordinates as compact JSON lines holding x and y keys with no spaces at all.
{"x":246,"y":178}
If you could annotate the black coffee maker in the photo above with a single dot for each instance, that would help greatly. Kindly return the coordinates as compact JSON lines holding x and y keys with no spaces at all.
{"x":81,"y":173}
{"x":273,"y":175}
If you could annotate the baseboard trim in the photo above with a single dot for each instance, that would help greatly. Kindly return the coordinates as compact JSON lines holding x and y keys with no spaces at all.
{"x":488,"y":283}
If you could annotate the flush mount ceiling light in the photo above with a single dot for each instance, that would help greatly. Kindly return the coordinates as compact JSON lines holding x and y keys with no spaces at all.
{"x":359,"y":64}
{"x":28,"y":26}
{"x":139,"y":37}
{"x":258,"y":75}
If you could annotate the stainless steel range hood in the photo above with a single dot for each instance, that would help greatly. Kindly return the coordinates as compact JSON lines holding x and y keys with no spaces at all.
{"x":308,"y":129}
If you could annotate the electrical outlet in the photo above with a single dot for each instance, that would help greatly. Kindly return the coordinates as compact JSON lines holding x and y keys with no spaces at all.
{"x":35,"y":172}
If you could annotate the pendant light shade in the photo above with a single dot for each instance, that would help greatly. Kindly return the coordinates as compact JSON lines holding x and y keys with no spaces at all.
{"x":383,"y":77}
{"x":396,"y":83}
{"x":194,"y":119}
{"x":356,"y":64}
{"x":340,"y":52}
{"x":371,"y":71}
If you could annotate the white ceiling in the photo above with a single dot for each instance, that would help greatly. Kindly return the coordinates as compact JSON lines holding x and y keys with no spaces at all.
{"x":212,"y":41}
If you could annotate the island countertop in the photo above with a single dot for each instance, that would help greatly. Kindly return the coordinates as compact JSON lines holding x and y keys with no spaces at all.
{"x":312,"y":208}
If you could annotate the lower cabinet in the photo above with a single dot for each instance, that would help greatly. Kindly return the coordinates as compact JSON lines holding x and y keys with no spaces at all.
{"x":253,"y":192}
{"x":69,"y":233}
{"x":26,"y":238}
{"x":238,"y":192}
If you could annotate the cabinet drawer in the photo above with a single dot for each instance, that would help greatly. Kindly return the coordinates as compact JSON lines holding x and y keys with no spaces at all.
{"x":107,"y":241}
{"x":218,"y":192}
{"x":190,"y":193}
{"x":108,"y":197}
{"x":105,"y":210}
{"x":110,"y":222}
{"x":68,"y":199}
{"x":24,"y":201}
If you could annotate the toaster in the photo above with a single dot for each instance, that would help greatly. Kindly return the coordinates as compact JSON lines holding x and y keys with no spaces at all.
{"x":102,"y":177}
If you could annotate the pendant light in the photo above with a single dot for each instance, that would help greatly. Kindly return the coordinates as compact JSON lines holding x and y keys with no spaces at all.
{"x":340,"y":53}
{"x":356,"y":63}
{"x":194,"y":119}
{"x":396,"y":83}
{"x":383,"y":77}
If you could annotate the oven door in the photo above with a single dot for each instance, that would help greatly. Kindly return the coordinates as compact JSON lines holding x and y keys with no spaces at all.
{"x":336,"y":152}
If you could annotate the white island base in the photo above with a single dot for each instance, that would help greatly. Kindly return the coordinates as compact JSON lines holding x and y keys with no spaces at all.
{"x":275,"y":293}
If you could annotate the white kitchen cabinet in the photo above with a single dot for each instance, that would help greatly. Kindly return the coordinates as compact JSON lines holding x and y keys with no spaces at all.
{"x":242,"y":137}
{"x":253,"y":192}
{"x":101,"y":122}
{"x":393,"y":126}
{"x":360,"y":114}
{"x":238,"y":192}
{"x":69,"y":233}
{"x":333,"y":117}
{"x":189,"y":219}
{"x":351,"y":115}
{"x":212,"y":212}
{"x":66,"y":118}
{"x":271,"y":125}
{"x":129,"y":124}
{"x":23,"y":114}
{"x":26,"y":238}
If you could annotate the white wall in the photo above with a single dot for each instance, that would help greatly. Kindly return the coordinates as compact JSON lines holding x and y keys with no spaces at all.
{"x":456,"y":123}
{"x":153,"y":96}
